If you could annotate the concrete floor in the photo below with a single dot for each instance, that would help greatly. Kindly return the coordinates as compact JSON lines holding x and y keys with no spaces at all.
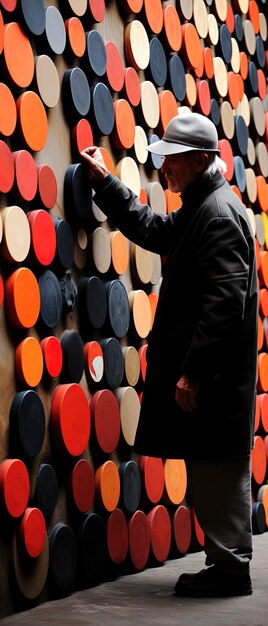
{"x":146,"y":599}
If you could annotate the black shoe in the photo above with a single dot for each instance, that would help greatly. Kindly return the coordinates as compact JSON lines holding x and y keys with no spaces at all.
{"x":212,"y":583}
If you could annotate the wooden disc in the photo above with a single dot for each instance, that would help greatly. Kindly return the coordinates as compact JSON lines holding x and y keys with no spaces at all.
{"x":9,"y":5}
{"x":7,"y":170}
{"x":152,"y":472}
{"x":251,"y":155}
{"x":97,"y":9}
{"x":47,"y":186}
{"x":78,"y":7}
{"x":160,"y":532}
{"x":239,"y":173}
{"x":235,"y":58}
{"x":172,"y":28}
{"x":69,"y":435}
{"x":185,"y":8}
{"x":132,"y":365}
{"x":131,"y":89}
{"x":252,"y":78}
{"x":213,"y":30}
{"x":30,"y":577}
{"x":249,"y":37}
{"x":176,"y":77}
{"x":115,"y":70}
{"x":102,"y":109}
{"x":26,"y":176}
{"x":29,"y":362}
{"x":14,"y":486}
{"x":260,"y":228}
{"x":257,"y":116}
{"x":62,"y":557}
{"x":241,"y":135}
{"x":128,"y":172}
{"x":96,"y":55}
{"x":203,"y":97}
{"x":226,"y":154}
{"x":221,"y":9}
{"x":141,"y":312}
{"x":107,"y":486}
{"x":55,"y":30}
{"x":261,"y":84}
{"x":200,"y":16}
{"x":137,"y":47}
{"x":113,"y":362}
{"x":191,"y":48}
{"x":129,"y":405}
{"x":227,"y":119}
{"x":124,"y":127}
{"x":139,"y":540}
{"x":251,"y":185}
{"x":263,"y":27}
{"x":154,"y":161}
{"x":182,"y":528}
{"x":20,"y":66}
{"x":16,"y":234}
{"x":8,"y":111}
{"x":105,"y":419}
{"x":47,"y":79}
{"x":140,"y":145}
{"x":132,"y":6}
{"x":76,"y":36}
{"x":244,"y":109}
{"x":156,"y":197}
{"x":262,"y":192}
{"x":76,"y":93}
{"x":117,"y":536}
{"x":242,"y":6}
{"x":208,"y":63}
{"x":230,"y":19}
{"x":191,"y":92}
{"x":141,"y":263}
{"x":150,"y":106}
{"x":22,"y":298}
{"x":32,"y":118}
{"x":154,"y":15}
{"x":119,"y":251}
{"x":220,"y":76}
{"x":153,"y":297}
{"x":130,"y":483}
{"x":33,"y":14}
{"x":175,"y":480}
{"x":32,"y":531}
{"x":82,"y":485}
{"x":43,"y":236}
{"x":101,"y":250}
{"x":157,"y":68}
{"x":261,"y":158}
{"x":168,"y":108}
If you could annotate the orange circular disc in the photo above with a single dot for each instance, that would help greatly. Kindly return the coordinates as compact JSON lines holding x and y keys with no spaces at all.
{"x":263,"y":372}
{"x":262,"y":193}
{"x":230,"y":20}
{"x":260,"y":333}
{"x":33,"y":120}
{"x":191,"y":46}
{"x":263,"y":298}
{"x":132,"y":6}
{"x":20,"y":65}
{"x":1,"y":32}
{"x":8,"y":111}
{"x":172,"y":28}
{"x":119,"y":249}
{"x":233,"y":93}
{"x":153,"y":298}
{"x":29,"y":362}
{"x":259,"y":460}
{"x":22,"y":298}
{"x":76,"y":35}
{"x":141,"y":312}
{"x":263,"y":405}
{"x":175,"y":480}
{"x":258,"y":411}
{"x":115,"y":70}
{"x":240,"y":86}
{"x":108,"y":160}
{"x":154,"y":15}
{"x":123,"y":134}
{"x":168,"y":108}
{"x":208,"y":62}
{"x":263,"y":268}
{"x":173,"y":200}
{"x":243,"y":65}
{"x":107,"y":485}
{"x":254,"y":15}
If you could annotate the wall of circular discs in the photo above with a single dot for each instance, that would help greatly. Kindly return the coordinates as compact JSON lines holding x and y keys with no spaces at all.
{"x":77,"y":300}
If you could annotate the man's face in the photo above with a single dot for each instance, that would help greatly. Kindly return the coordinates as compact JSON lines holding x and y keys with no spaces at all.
{"x":180,"y":170}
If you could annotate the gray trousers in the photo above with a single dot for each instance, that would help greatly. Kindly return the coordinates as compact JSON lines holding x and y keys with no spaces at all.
{"x":221,"y":494}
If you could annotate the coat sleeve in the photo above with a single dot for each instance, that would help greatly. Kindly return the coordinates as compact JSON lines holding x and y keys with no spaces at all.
{"x":222,"y":283}
{"x":138,"y":222}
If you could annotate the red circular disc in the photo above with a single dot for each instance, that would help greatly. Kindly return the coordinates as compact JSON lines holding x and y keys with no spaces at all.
{"x":152,"y":470}
{"x":263,"y":404}
{"x":233,"y":94}
{"x":230,"y":20}
{"x":83,"y":485}
{"x":203,"y":97}
{"x":97,"y":9}
{"x":52,"y":354}
{"x":70,"y":434}
{"x":139,"y":539}
{"x":226,"y":154}
{"x":106,"y":419}
{"x":82,"y":136}
{"x":132,"y":89}
{"x":25,"y":174}
{"x":47,"y":186}
{"x":257,"y":414}
{"x":261,"y":84}
{"x":94,"y":363}
{"x":117,"y":536}
{"x":123,"y":134}
{"x":199,"y":533}
{"x":115,"y":70}
{"x":9,"y":5}
{"x":143,"y":362}
{"x":182,"y":528}
{"x":143,"y":198}
{"x":14,"y":486}
{"x":32,"y":531}
{"x":7,"y":171}
{"x":259,"y":460}
{"x":1,"y":291}
{"x":160,"y":531}
{"x":43,"y":236}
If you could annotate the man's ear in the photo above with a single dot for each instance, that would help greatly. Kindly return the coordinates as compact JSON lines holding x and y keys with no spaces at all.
{"x":201,"y":161}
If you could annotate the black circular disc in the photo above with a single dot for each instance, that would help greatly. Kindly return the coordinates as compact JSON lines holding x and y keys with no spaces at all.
{"x":46,"y":489}
{"x":225,"y":43}
{"x":27,"y":422}
{"x":176,"y":77}
{"x":51,"y":299}
{"x":96,"y":57}
{"x":92,"y":548}
{"x":34,"y":15}
{"x":102,"y":109}
{"x":260,"y":51}
{"x":92,"y":301}
{"x":65,"y":243}
{"x":113,"y":362}
{"x":62,"y":556}
{"x":241,"y":134}
{"x":76,"y":93}
{"x":215,"y":112}
{"x":252,"y":79}
{"x":157,"y":68}
{"x":77,"y":192}
{"x":258,"y":518}
{"x":239,"y":32}
{"x":118,"y":308}
{"x":130,"y":482}
{"x":55,"y":30}
{"x":73,"y":357}
{"x":153,"y":161}
{"x":239,"y":173}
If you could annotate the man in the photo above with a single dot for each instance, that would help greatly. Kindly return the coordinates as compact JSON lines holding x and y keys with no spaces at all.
{"x":199,"y":393}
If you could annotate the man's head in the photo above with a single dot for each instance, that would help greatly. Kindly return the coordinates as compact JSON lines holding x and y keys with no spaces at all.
{"x":189,"y":143}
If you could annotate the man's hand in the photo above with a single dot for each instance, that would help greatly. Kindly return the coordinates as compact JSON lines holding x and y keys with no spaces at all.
{"x":97,"y":167}
{"x":186,"y":391}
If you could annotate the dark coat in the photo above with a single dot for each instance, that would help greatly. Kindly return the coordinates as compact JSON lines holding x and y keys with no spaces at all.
{"x":206,"y":319}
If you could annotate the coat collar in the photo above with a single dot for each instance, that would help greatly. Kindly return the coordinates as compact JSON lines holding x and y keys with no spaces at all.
{"x":202,"y":187}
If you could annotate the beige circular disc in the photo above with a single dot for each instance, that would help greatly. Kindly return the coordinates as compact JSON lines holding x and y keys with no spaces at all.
{"x":220,"y":76}
{"x":249,"y":37}
{"x":157,"y":269}
{"x":141,"y":263}
{"x":235,"y":59}
{"x":257,"y":115}
{"x":140,"y":145}
{"x":262,"y":158}
{"x":251,"y":185}
{"x":47,"y":79}
{"x":101,"y":250}
{"x":227,"y":119}
{"x":251,"y":155}
{"x":82,"y":239}
{"x":185,"y":8}
{"x":244,"y":109}
{"x":78,"y":7}
{"x":129,"y":405}
{"x":263,"y":27}
{"x":242,"y":6}
{"x":141,"y":312}
{"x":98,"y":214}
{"x":150,"y":104}
{"x":128,"y":172}
{"x":200,"y":15}
{"x":156,"y":197}
{"x":213,"y":30}
{"x":221,"y":9}
{"x":16,"y":234}
{"x":184,"y":110}
{"x":251,"y":217}
{"x":80,"y":256}
{"x":260,"y":231}
{"x":132,"y":365}
{"x":137,"y":48}
{"x":30,"y":575}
